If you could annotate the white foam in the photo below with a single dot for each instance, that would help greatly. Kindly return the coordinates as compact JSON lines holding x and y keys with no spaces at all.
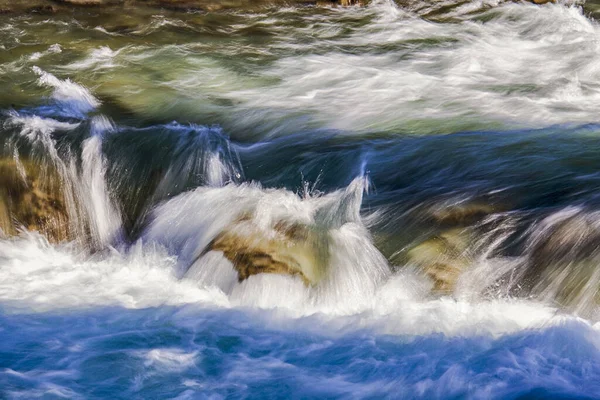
{"x":35,"y":275}
{"x":173,"y":360}
{"x":54,"y":49}
{"x":73,"y":99}
{"x":100,"y":58}
{"x":359,"y":292}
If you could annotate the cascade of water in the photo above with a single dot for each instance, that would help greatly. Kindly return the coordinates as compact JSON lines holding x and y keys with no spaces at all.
{"x":321,"y":237}
{"x":103,"y":216}
{"x":94,"y":219}
{"x":202,"y":156}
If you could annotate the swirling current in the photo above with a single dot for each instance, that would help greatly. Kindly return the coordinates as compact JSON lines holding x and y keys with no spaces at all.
{"x":389,"y":200}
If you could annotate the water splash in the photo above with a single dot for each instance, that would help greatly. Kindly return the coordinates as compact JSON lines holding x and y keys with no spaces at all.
{"x":332,"y":244}
{"x":94,"y":219}
{"x":72,"y":99}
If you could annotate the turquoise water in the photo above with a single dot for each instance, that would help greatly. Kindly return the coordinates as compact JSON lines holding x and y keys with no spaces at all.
{"x":432,"y":172}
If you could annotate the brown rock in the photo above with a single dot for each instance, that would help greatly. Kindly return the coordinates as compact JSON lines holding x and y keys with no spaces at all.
{"x":461,"y":213}
{"x":442,"y":258}
{"x":287,"y":248}
{"x":564,"y":255}
{"x":31,"y":197}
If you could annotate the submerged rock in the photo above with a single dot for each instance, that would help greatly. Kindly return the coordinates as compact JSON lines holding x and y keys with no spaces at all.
{"x":462,"y":213}
{"x":31,"y":197}
{"x":564,"y":260}
{"x":442,"y":258}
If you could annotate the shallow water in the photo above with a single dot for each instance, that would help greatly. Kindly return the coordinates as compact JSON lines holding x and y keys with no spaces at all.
{"x":383,"y":134}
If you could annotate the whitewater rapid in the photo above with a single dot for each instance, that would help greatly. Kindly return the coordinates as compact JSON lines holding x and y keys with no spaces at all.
{"x":162,"y":267}
{"x":359,"y":291}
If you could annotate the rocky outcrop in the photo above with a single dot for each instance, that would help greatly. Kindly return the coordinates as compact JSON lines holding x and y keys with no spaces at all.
{"x":31,"y":198}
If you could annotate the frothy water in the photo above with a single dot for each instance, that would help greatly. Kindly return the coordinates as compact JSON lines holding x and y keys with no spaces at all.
{"x":72,"y":99}
{"x":144,"y":276}
{"x":261,"y":204}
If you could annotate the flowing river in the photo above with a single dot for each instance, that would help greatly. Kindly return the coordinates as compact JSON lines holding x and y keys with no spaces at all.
{"x":423,"y":178}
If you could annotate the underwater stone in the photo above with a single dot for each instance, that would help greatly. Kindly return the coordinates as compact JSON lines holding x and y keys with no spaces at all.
{"x":563,"y":259}
{"x":462,"y":214}
{"x":442,"y":257}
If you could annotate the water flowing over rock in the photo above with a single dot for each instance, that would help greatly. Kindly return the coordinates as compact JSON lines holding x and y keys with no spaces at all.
{"x":283,"y":249}
{"x":443,"y":258}
{"x":400,"y":200}
{"x":54,"y":6}
{"x":564,"y":254}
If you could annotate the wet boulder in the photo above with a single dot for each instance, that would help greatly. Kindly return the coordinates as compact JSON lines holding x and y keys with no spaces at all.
{"x":563,"y":263}
{"x":442,"y":258}
{"x":31,"y":198}
{"x":284,"y":248}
